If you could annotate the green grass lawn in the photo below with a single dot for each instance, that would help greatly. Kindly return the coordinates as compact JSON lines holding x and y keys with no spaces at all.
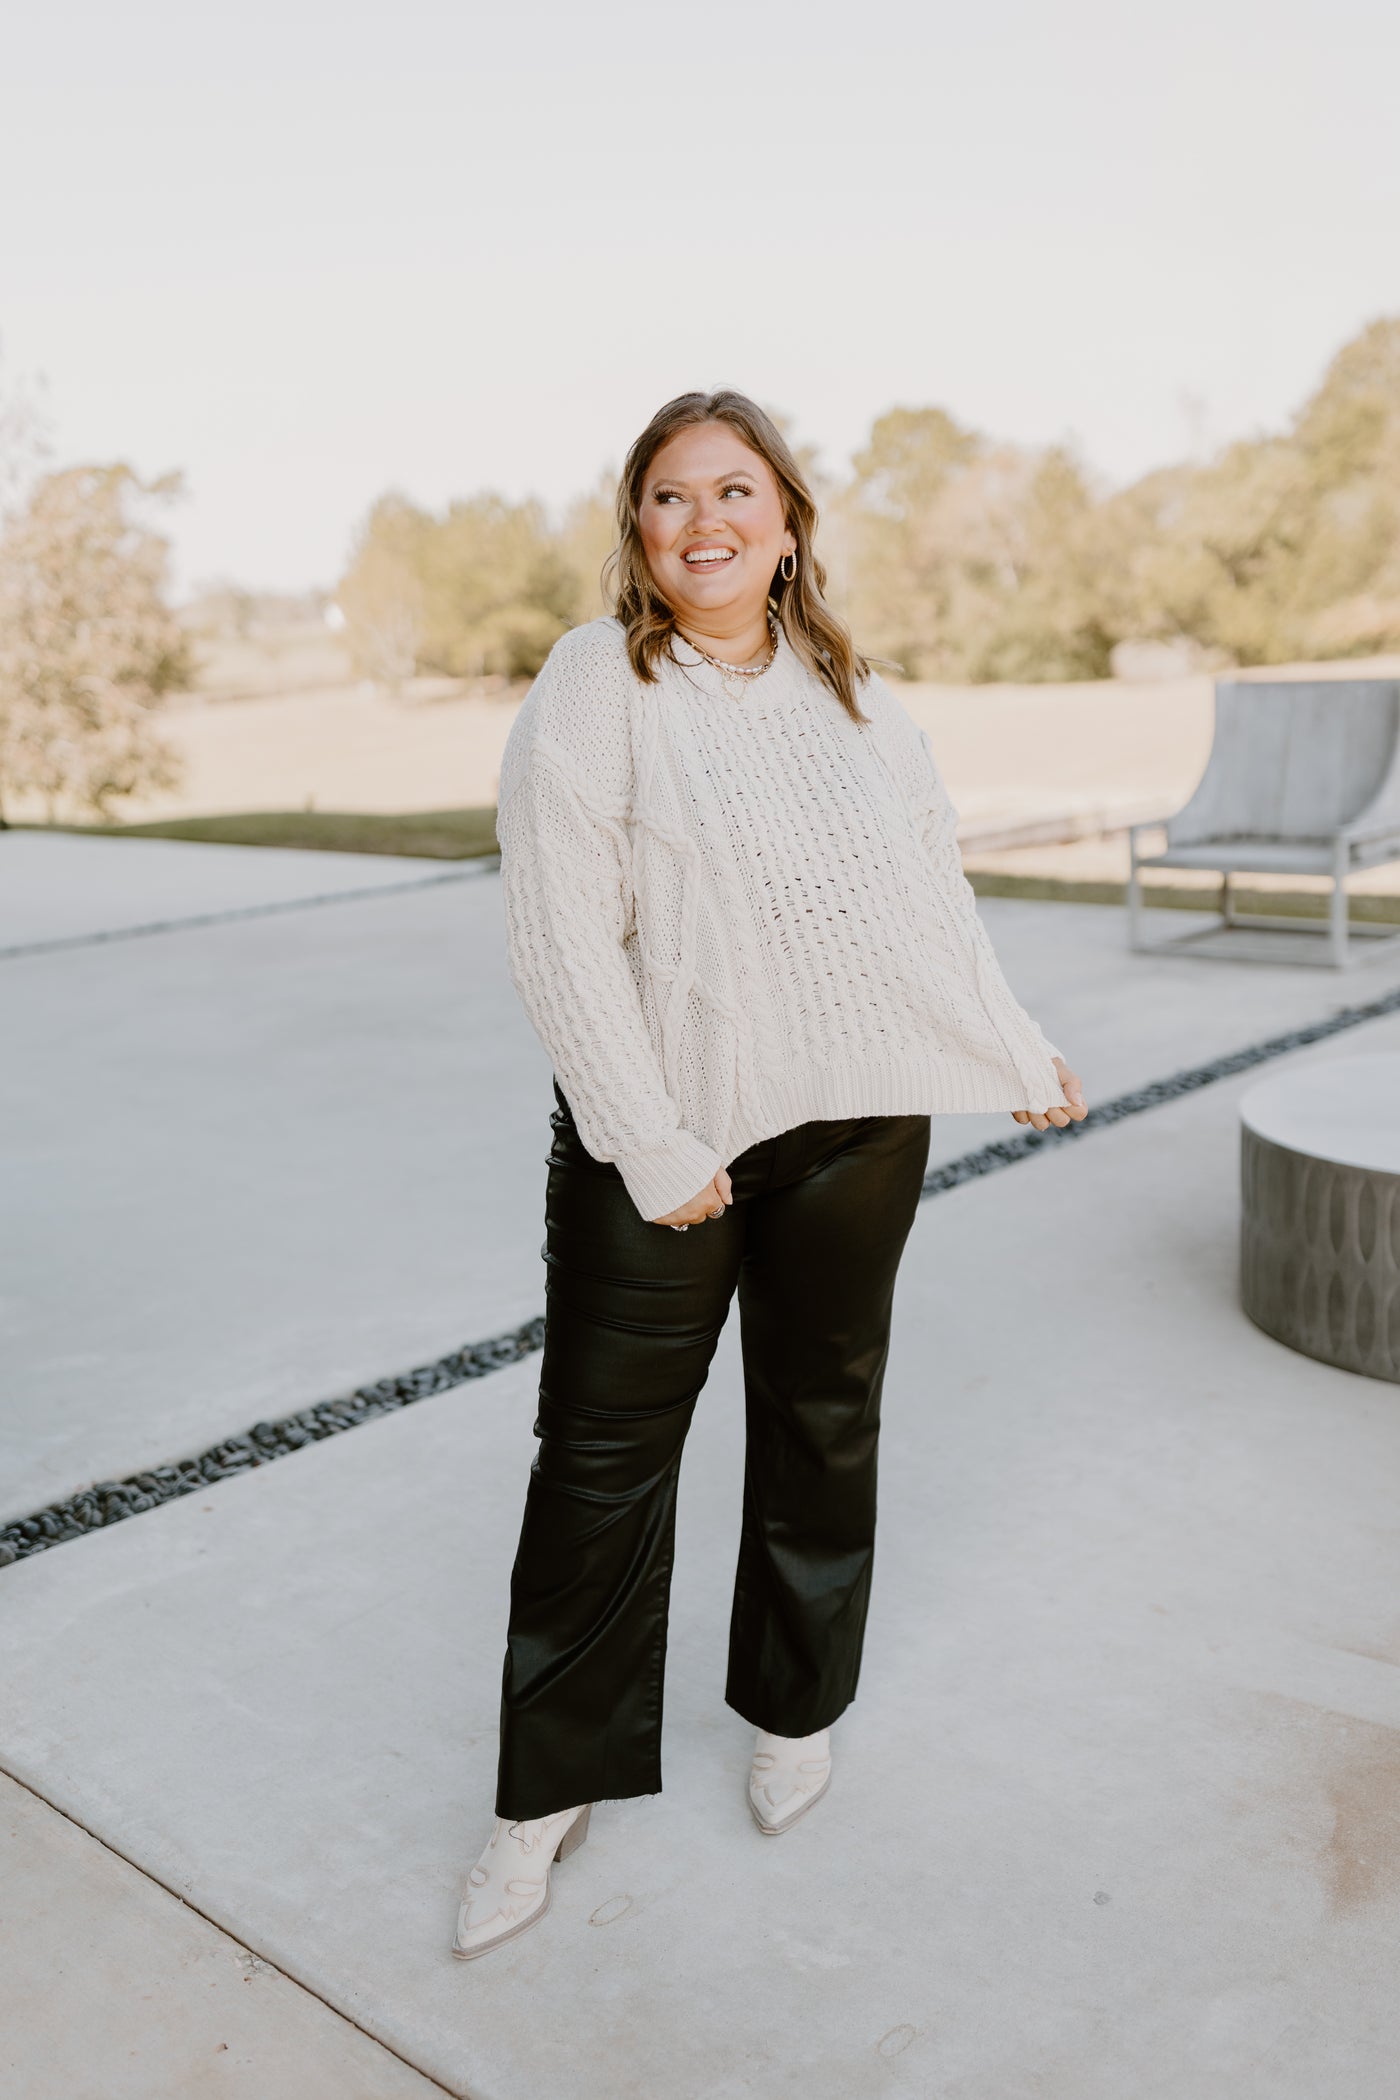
{"x":429,"y":834}
{"x":1382,"y":910}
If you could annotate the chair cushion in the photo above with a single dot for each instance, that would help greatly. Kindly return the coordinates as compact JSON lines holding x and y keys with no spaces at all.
{"x":1257,"y":856}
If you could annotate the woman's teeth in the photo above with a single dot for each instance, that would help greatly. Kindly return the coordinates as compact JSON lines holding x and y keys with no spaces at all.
{"x":703,"y":557}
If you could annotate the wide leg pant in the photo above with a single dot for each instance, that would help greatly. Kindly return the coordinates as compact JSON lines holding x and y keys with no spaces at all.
{"x":812,"y":1240}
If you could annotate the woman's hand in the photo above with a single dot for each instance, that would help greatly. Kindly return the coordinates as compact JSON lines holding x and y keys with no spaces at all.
{"x":1073,"y":1091}
{"x":709,"y":1203}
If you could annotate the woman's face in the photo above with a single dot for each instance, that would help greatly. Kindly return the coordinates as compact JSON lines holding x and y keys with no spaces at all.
{"x":712,"y":524}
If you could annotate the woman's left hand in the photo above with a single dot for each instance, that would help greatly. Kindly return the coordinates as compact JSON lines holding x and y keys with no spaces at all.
{"x":1073,"y":1091}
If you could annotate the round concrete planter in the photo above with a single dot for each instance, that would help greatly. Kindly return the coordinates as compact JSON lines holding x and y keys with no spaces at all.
{"x":1320,"y":1200}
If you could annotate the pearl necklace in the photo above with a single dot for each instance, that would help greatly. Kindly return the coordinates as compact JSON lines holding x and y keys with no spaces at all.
{"x":728,"y":672}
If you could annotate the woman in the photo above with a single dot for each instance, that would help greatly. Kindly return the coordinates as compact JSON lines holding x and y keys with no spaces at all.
{"x":737,"y":919}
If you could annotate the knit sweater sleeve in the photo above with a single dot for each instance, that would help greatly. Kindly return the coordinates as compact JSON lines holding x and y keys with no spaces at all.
{"x":937,"y":822}
{"x":565,"y":870}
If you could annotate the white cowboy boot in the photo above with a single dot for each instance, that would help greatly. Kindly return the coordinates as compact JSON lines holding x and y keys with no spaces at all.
{"x":508,"y":1888}
{"x":788,"y":1774}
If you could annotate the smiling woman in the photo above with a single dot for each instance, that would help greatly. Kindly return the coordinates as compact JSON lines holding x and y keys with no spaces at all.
{"x":736,"y":916}
{"x":711,"y":521}
{"x":715,"y":542}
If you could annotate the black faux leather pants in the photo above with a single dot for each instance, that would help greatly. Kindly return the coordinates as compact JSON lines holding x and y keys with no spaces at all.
{"x":634,"y":1310}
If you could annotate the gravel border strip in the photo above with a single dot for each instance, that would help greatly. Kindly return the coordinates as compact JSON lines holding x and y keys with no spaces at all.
{"x":111,"y":1501}
{"x":486,"y":864}
{"x":1005,"y":1152}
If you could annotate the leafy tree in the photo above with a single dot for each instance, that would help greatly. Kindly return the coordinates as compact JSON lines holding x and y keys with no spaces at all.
{"x":1220,"y":564}
{"x":898,"y":564}
{"x":498,"y":589}
{"x":382,"y":593}
{"x":1348,"y":435}
{"x":89,"y":647}
{"x":1280,"y":547}
{"x":970,"y":559}
{"x":486,"y":587}
{"x":1049,"y":619}
{"x":586,"y":540}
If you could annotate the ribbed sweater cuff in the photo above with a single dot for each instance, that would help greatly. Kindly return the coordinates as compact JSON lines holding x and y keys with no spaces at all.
{"x":668,"y":1174}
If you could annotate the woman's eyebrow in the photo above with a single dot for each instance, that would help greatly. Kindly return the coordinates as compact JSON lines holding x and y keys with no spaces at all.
{"x":678,"y":481}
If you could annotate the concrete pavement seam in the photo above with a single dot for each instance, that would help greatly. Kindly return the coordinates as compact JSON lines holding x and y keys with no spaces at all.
{"x":110,"y":1502}
{"x":487,"y":864}
{"x":234,"y":1938}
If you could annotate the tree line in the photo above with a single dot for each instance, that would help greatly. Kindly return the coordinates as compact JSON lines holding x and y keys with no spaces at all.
{"x":961,"y":557}
{"x":954,"y":555}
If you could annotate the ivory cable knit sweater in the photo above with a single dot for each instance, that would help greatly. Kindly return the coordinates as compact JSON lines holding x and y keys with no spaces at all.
{"x":728,"y":917}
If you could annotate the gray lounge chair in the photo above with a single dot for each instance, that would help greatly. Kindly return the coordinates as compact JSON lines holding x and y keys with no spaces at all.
{"x":1302,"y":779}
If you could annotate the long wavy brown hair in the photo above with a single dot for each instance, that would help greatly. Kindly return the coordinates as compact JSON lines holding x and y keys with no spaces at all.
{"x":818,"y":637}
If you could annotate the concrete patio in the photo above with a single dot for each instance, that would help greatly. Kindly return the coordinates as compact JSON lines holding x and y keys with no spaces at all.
{"x":1116,"y":1810}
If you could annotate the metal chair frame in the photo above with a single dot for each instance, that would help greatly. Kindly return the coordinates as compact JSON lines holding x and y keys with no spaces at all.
{"x":1303,"y":778}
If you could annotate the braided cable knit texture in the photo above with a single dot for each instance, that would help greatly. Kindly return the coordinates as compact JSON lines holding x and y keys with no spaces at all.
{"x":728,"y":917}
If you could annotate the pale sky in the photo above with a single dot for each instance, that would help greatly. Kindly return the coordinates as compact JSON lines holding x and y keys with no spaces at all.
{"x":307,"y":252}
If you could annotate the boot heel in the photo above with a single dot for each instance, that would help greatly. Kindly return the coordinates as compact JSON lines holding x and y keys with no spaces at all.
{"x":575,"y":1834}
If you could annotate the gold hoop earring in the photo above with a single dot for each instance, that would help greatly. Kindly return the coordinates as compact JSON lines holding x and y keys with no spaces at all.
{"x":784,"y":571}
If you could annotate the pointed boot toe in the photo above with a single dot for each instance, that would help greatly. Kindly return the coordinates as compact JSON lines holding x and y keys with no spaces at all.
{"x":789,"y":1775}
{"x":508,"y":1888}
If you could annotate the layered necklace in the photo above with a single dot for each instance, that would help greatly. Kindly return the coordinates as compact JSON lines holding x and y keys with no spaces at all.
{"x":735,"y":677}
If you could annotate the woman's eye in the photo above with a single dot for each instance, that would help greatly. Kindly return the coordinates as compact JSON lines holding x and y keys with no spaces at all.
{"x":735,"y":488}
{"x":666,"y":496}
